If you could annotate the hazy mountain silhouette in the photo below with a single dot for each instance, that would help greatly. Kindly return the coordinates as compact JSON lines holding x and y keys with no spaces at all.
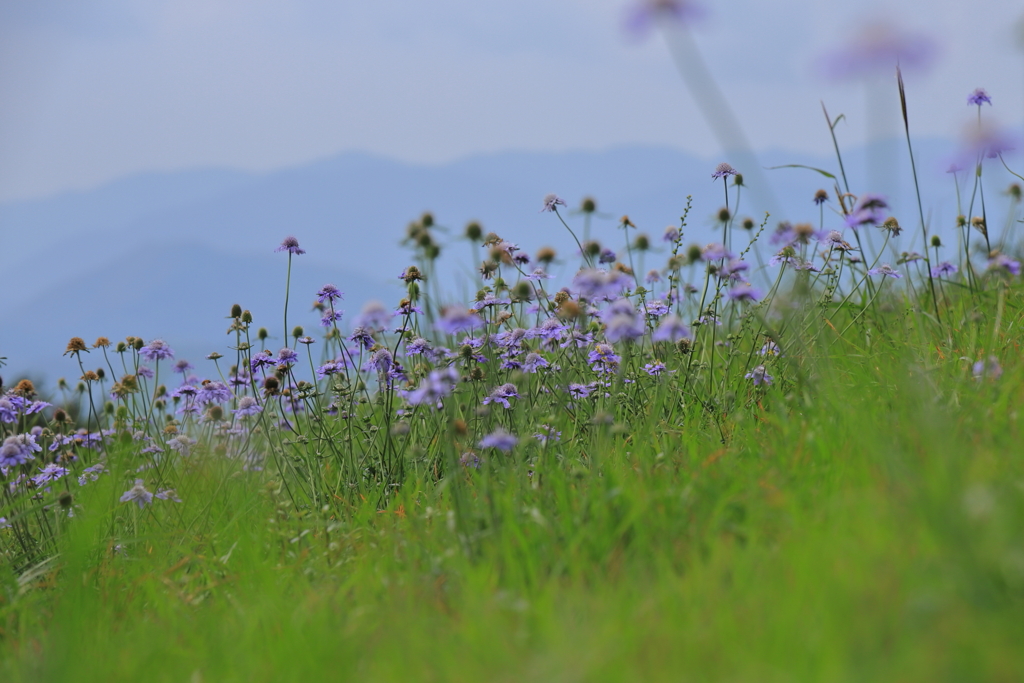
{"x":166,"y":254}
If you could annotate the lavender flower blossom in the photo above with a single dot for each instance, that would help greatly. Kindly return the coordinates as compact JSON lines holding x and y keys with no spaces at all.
{"x":879,"y":47}
{"x":723,"y":170}
{"x":501,"y":394}
{"x":547,"y":433}
{"x":331,"y":367}
{"x":671,"y":329}
{"x":607,"y":256}
{"x":286,"y":357}
{"x":579,"y":391}
{"x":291,"y":245}
{"x":760,"y":376}
{"x":716,"y":252}
{"x":470,"y":459}
{"x":261,"y":360}
{"x":156,"y":350}
{"x":654,"y":369}
{"x":49,"y":474}
{"x":18,"y":449}
{"x":979,"y":97}
{"x":552,"y":202}
{"x":182,"y":445}
{"x":644,"y":15}
{"x":744,"y":292}
{"x":886,"y":270}
{"x":499,"y":439}
{"x":247,"y":405}
{"x":213,"y":392}
{"x":456,"y":319}
{"x":672,"y":234}
{"x":988,"y":368}
{"x":362,"y":336}
{"x":944,"y":268}
{"x":593,"y":283}
{"x":603,"y":359}
{"x":534,"y":362}
{"x":329,"y":294}
{"x":869,"y":209}
{"x":656,"y":308}
{"x":622,"y":321}
{"x":770,"y":348}
{"x":138,"y":494}
{"x":435,"y":387}
{"x":381,"y":360}
{"x":330,"y":317}
{"x":1005,"y":263}
{"x":374,"y":316}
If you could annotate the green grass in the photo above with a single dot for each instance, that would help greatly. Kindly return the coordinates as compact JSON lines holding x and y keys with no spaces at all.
{"x":865,"y":524}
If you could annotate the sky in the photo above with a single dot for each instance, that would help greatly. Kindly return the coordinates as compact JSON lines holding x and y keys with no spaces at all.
{"x":95,"y":90}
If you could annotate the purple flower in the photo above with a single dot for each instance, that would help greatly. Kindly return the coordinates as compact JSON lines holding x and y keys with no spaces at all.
{"x":646,"y":14}
{"x":374,"y":316}
{"x":534,"y":362}
{"x":671,"y":329}
{"x":92,"y":473}
{"x":456,"y":319}
{"x":593,"y":283}
{"x":656,"y":308}
{"x":538,"y":274}
{"x":213,"y":392}
{"x":381,"y":360}
{"x":870,"y":209}
{"x":654,"y":369}
{"x":734,"y":269}
{"x":499,"y":439}
{"x":760,"y":376}
{"x":489,"y":300}
{"x":652,"y":277}
{"x":434,"y":387}
{"x":262,"y":359}
{"x":985,"y":140}
{"x":156,"y":350}
{"x":18,"y":449}
{"x":944,"y":268}
{"x":552,"y":329}
{"x":138,"y":494}
{"x":51,"y":473}
{"x":604,"y":359}
{"x":607,"y":256}
{"x":622,"y":321}
{"x":329,"y":294}
{"x":331,"y":367}
{"x":168,"y":494}
{"x":770,"y":348}
{"x":8,"y":411}
{"x":286,"y":357}
{"x":148,"y":373}
{"x":988,"y":368}
{"x":744,"y":292}
{"x":247,"y":405}
{"x":716,"y":252}
{"x":552,"y":202}
{"x":182,"y":367}
{"x":291,"y":245}
{"x":886,"y":270}
{"x":579,"y":391}
{"x":502,"y":394}
{"x":672,"y":234}
{"x":879,"y":47}
{"x":181,"y":444}
{"x":1004,"y":262}
{"x":330,"y":317}
{"x":723,"y":170}
{"x":417,"y":346}
{"x":979,"y":97}
{"x":547,"y":433}
{"x":362,"y":336}
{"x":470,"y":459}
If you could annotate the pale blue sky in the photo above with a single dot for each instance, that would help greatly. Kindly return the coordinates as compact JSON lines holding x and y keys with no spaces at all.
{"x":97,"y":89}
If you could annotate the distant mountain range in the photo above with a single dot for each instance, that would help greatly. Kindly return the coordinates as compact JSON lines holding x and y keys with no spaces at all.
{"x":167,"y":254}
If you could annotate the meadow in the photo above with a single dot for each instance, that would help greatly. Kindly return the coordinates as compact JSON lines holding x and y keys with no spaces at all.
{"x":783,"y":454}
